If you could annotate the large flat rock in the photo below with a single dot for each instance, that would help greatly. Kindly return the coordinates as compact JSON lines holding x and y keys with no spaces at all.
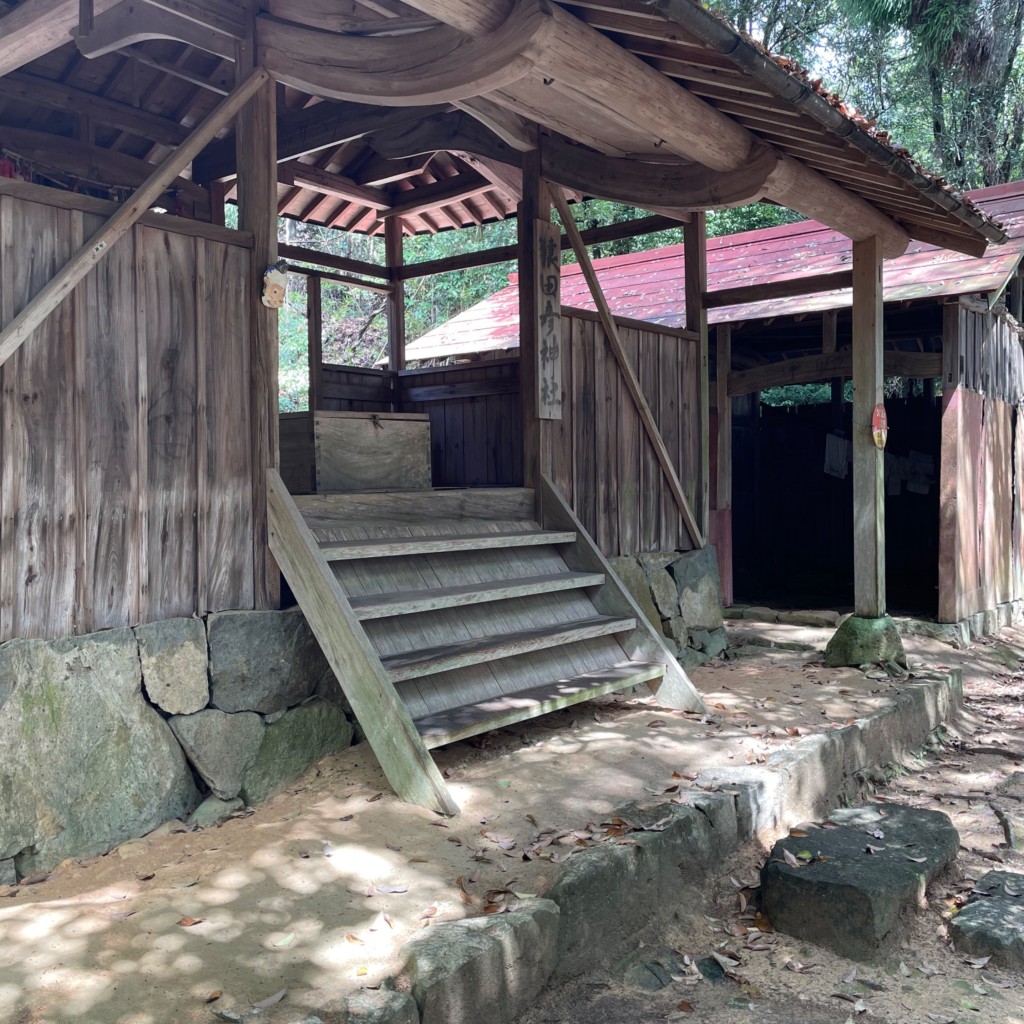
{"x":992,"y":923}
{"x":263,"y":661}
{"x":854,"y":883}
{"x":86,"y":763}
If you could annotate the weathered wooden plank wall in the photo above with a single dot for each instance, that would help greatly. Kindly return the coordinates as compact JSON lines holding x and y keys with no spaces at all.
{"x":124,"y":429}
{"x":356,"y":389}
{"x":597,"y":453}
{"x":600,"y":456}
{"x":983,"y":455}
{"x":475,"y":435}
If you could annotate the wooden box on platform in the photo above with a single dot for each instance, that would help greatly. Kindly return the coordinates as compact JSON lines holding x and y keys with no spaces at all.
{"x":355,"y":451}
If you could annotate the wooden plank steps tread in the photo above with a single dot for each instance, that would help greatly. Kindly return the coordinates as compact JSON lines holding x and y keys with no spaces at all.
{"x":429,"y":660}
{"x":379,"y":606}
{"x":495,"y":712}
{"x":336,"y":551}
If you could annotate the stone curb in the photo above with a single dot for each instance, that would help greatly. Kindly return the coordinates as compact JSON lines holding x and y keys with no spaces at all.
{"x":492,"y":968}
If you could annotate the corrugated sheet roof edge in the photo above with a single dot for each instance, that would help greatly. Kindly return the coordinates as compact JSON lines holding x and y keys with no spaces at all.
{"x":718,"y":34}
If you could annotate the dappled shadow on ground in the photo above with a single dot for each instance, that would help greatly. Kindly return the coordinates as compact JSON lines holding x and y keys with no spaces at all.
{"x":317,"y":890}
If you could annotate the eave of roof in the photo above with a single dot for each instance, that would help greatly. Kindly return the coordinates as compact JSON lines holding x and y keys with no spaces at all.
{"x":648,"y":285}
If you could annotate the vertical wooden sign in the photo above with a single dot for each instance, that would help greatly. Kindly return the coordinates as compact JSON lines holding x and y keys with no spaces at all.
{"x":549,"y":312}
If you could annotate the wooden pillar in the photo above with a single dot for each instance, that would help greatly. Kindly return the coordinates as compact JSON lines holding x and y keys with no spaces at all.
{"x":721,"y":520}
{"x":315,"y":332}
{"x":949,"y":467}
{"x":256,"y":150}
{"x":868,"y":460}
{"x":394,"y":257}
{"x":828,"y":347}
{"x":696,"y":271}
{"x":534,"y":210}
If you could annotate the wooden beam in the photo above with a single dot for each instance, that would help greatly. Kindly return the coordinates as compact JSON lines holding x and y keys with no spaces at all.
{"x":723,"y":405}
{"x":975,"y":245}
{"x":54,"y":292}
{"x":90,"y":163}
{"x":131,"y":22}
{"x":437,"y":65}
{"x":320,"y":126}
{"x":680,"y":186}
{"x":223,"y":15}
{"x":501,"y":254}
{"x":809,"y":369}
{"x":438,"y":193}
{"x":951,"y":451}
{"x":747,"y":293}
{"x":506,"y":177}
{"x":350,"y":282}
{"x":35,"y":89}
{"x":695,"y":270}
{"x":315,"y":338}
{"x":393,"y":230}
{"x":257,"y":213}
{"x":328,"y":183}
{"x":534,"y":210}
{"x":629,"y":374}
{"x":175,"y":71}
{"x":35,"y":27}
{"x":380,"y":170}
{"x":327,"y":259}
{"x":868,"y":461}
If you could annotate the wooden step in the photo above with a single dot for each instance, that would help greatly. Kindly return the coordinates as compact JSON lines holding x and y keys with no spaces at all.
{"x":495,"y":712}
{"x":425,"y":662}
{"x":379,"y":606}
{"x":386,"y":547}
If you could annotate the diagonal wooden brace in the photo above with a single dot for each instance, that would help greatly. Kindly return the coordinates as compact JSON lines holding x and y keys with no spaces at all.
{"x":64,"y":282}
{"x":632,"y":382}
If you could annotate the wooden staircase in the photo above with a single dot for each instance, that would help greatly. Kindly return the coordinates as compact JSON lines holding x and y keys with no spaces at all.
{"x":445,"y":614}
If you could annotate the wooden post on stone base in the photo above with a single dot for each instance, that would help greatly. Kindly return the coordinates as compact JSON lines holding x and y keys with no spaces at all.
{"x":868,"y":459}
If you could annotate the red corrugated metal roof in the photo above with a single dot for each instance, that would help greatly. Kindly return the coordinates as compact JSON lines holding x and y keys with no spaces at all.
{"x":649,"y":285}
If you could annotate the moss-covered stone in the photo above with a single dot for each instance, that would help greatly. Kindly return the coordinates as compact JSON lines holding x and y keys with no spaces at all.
{"x":860,"y":641}
{"x":291,"y":744}
{"x":86,"y":763}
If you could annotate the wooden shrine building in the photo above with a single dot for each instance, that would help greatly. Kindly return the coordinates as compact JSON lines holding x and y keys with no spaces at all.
{"x":780,"y":299}
{"x":139,"y":430}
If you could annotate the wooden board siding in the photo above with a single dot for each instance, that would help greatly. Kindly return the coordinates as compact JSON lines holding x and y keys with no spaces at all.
{"x":125,"y":487}
{"x":983,"y":453}
{"x":355,"y":389}
{"x":475,"y":437}
{"x":600,"y":456}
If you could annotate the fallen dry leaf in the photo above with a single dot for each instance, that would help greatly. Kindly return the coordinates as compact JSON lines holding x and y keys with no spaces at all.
{"x":373,"y":799}
{"x":188,"y":922}
{"x":213,"y":996}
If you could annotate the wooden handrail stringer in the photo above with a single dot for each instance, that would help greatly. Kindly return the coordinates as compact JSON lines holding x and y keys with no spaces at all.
{"x":381,"y":712}
{"x":674,"y":689}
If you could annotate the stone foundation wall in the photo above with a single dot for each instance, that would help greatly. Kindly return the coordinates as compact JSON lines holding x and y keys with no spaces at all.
{"x":104,"y":736}
{"x":680,"y":593}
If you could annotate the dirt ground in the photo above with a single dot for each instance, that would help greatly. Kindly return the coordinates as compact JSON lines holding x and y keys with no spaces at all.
{"x":779,"y":979}
{"x":315,"y":891}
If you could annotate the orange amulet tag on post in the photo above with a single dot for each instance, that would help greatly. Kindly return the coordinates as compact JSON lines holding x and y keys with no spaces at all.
{"x":879,"y":426}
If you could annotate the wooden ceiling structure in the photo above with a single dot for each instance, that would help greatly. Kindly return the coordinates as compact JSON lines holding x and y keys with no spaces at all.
{"x":423,"y":109}
{"x":402,"y":116}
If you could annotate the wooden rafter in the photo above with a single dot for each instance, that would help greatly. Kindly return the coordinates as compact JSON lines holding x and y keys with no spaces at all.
{"x":305,"y":176}
{"x":36,"y":27}
{"x":29,"y":88}
{"x":134,"y":21}
{"x":312,"y":129}
{"x":106,"y":167}
{"x":437,"y":194}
